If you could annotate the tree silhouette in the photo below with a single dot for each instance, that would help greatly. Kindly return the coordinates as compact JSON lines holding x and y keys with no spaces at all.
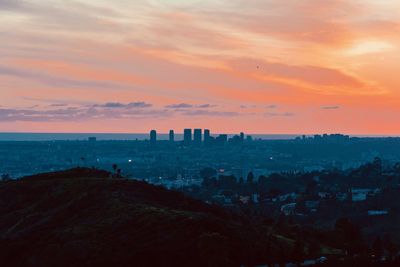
{"x":207,"y":173}
{"x":389,"y":246}
{"x":5,"y":177}
{"x":250,"y":178}
{"x":83,"y":160}
{"x":298,"y":252}
{"x":377,"y":248}
{"x":314,"y":249}
{"x":349,"y":235}
{"x":115,"y":168}
{"x":214,"y":249}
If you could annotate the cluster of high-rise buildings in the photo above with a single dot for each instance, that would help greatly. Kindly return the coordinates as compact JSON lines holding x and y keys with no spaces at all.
{"x":198,"y":137}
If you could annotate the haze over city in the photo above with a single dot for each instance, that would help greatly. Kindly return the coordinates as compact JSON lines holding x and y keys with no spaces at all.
{"x":278,"y":67}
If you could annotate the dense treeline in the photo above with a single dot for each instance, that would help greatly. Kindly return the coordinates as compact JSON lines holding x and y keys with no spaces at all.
{"x":336,"y":220}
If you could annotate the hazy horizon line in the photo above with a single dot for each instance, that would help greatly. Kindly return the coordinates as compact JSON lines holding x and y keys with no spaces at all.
{"x":213,"y":133}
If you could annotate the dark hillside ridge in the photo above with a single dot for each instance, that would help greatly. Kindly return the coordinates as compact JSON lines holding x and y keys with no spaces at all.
{"x":69,"y":174}
{"x":81,"y":217}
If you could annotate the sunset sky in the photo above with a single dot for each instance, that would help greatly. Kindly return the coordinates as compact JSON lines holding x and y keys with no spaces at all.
{"x":259,"y":66}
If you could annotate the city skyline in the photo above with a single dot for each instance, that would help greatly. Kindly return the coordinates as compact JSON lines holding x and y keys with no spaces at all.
{"x":276,"y":67}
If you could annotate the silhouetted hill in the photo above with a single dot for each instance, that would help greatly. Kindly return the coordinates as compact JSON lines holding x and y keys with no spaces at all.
{"x":81,"y":217}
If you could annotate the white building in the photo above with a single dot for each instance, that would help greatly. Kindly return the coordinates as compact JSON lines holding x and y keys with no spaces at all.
{"x":361,"y":194}
{"x":377,"y":212}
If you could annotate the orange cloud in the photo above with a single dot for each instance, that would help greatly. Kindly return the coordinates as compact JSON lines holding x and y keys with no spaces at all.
{"x":298,"y":55}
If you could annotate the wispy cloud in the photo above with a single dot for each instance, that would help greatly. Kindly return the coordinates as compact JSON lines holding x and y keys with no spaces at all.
{"x":7,"y":5}
{"x":58,"y":105}
{"x":56,"y":81}
{"x":209,"y":113}
{"x":122,"y":105}
{"x":272,"y":106}
{"x":74,"y":114}
{"x":187,"y":106}
{"x":280,"y":114}
{"x":206,"y":106}
{"x":110,"y":110}
{"x":330,"y":107}
{"x":247,"y":106}
{"x":179,"y":106}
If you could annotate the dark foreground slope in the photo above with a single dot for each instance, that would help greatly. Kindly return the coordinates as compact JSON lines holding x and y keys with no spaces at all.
{"x":82,"y":217}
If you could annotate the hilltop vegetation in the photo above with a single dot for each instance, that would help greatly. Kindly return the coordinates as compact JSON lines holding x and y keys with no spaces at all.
{"x":85,"y":218}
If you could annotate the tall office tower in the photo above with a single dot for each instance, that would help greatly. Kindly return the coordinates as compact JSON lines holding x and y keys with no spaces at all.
{"x":187,"y":137}
{"x":242,"y":137}
{"x":207,"y":136}
{"x":153,"y":137}
{"x":171,"y":136}
{"x":222,"y":139}
{"x":197,"y":137}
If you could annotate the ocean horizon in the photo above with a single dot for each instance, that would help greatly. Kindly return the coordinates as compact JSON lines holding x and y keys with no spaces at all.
{"x":26,"y":136}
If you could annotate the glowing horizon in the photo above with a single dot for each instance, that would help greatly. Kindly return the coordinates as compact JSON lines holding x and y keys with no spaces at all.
{"x":267,"y":67}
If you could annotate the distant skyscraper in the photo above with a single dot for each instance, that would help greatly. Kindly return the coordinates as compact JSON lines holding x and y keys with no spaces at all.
{"x":187,"y":137}
{"x":153,"y":137}
{"x":171,"y":136}
{"x":222,"y":139}
{"x":197,"y":137}
{"x":242,"y":137}
{"x":207,"y":136}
